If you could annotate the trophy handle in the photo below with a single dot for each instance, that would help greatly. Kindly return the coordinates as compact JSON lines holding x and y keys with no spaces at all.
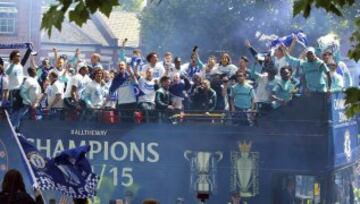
{"x":187,"y":155}
{"x":220,"y":155}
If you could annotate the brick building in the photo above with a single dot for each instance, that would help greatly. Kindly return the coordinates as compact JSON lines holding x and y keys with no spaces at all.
{"x":100,"y":34}
{"x":19,"y":23}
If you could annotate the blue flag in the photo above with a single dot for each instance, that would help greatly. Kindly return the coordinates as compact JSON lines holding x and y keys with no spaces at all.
{"x":16,"y":46}
{"x":121,"y":79}
{"x":286,"y":40}
{"x":69,"y":173}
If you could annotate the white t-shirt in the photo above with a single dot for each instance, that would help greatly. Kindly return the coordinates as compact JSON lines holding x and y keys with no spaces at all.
{"x":337,"y":82}
{"x":229,"y":70}
{"x":172,"y":72}
{"x":149,"y":90}
{"x":264,"y":88}
{"x":125,"y":93}
{"x":4,"y":79}
{"x":167,"y":66}
{"x":62,"y":77}
{"x":79,"y":81}
{"x":279,"y":63}
{"x":207,"y":75}
{"x":16,"y":76}
{"x":158,"y":70}
{"x":52,"y":91}
{"x":32,"y":89}
{"x":3,"y":86}
{"x":95,"y":94}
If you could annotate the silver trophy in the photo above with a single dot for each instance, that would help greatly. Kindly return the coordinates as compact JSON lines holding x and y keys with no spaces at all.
{"x":203,"y":163}
{"x":245,"y":171}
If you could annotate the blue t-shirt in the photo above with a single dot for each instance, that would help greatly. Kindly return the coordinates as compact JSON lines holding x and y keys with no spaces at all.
{"x":283,"y":89}
{"x":314,"y":72}
{"x":243,"y":95}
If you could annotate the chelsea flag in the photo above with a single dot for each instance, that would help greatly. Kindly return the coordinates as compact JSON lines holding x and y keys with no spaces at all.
{"x":69,"y":173}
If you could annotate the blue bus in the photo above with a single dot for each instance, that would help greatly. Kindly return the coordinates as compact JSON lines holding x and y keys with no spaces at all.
{"x":304,"y":152}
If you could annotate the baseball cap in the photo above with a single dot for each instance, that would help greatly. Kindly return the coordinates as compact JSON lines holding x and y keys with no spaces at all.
{"x":310,"y":49}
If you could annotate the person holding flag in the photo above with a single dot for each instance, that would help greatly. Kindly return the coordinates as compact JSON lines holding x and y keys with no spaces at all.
{"x":147,"y":86}
{"x":123,"y":85}
{"x":316,"y":73}
{"x":69,"y":173}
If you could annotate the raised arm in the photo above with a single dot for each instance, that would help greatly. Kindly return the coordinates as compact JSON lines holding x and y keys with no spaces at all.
{"x":252,"y":50}
{"x":55,"y":54}
{"x":122,"y":56}
{"x":293,"y":43}
{"x":294,"y":62}
{"x":327,"y":72}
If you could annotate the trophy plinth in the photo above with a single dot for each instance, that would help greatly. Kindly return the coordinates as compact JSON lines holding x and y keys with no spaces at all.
{"x":203,"y":196}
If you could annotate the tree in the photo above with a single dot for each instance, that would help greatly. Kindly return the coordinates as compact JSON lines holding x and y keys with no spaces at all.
{"x":217,"y":26}
{"x":78,"y":11}
{"x":337,"y":7}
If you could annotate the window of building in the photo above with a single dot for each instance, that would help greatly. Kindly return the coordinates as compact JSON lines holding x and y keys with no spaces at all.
{"x":295,"y":189}
{"x":7,"y":19}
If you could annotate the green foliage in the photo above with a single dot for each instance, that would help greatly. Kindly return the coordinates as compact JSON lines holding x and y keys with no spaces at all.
{"x":339,"y":8}
{"x":331,"y":6}
{"x":53,"y":17}
{"x":214,"y":26}
{"x":217,"y":26}
{"x":354,"y":52}
{"x":352,"y":101}
{"x":79,"y":14}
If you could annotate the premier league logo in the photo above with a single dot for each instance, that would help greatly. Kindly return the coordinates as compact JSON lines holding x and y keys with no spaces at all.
{"x":245,"y":171}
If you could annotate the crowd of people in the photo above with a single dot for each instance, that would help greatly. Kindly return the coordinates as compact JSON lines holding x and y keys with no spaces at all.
{"x":158,"y":89}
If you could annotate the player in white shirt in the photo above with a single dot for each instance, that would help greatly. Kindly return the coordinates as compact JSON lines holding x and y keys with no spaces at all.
{"x":16,"y":77}
{"x":4,"y":86}
{"x":60,"y":71}
{"x":75,"y":88}
{"x":31,"y":94}
{"x":147,"y":98}
{"x":122,"y":87}
{"x":55,"y":92}
{"x":226,"y":67}
{"x":209,"y":69}
{"x":156,"y":68}
{"x":167,"y":63}
{"x":94,"y":95}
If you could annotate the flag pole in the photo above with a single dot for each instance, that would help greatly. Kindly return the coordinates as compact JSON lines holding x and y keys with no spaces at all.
{"x":28,"y":165}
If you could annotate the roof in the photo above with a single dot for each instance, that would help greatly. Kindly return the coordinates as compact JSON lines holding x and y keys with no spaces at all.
{"x":72,"y":34}
{"x":99,"y":30}
{"x":124,"y":25}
